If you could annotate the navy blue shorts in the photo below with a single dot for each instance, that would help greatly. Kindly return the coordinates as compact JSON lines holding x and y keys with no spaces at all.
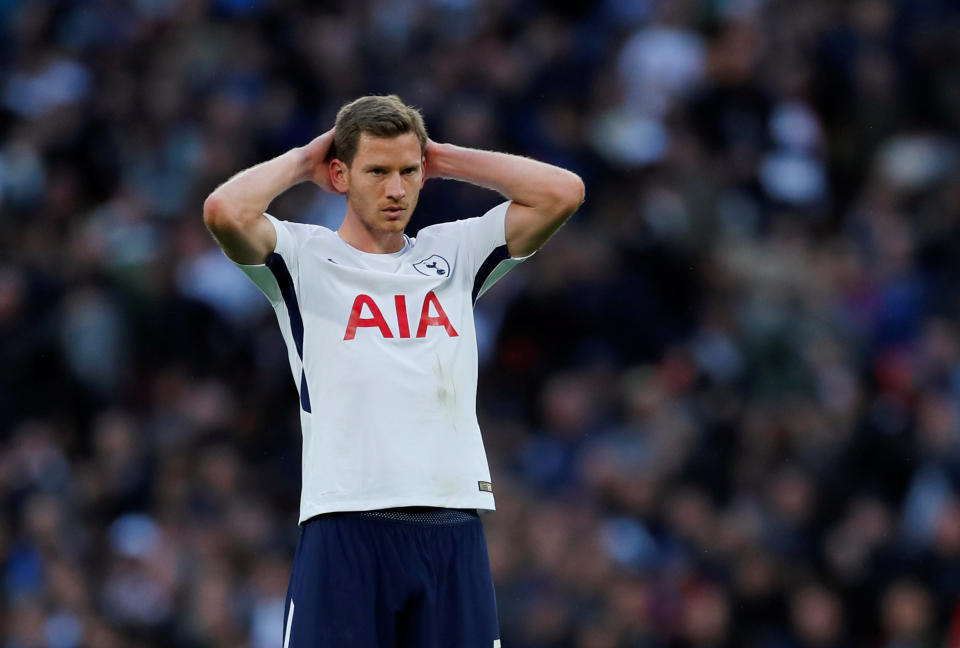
{"x":402,"y":578}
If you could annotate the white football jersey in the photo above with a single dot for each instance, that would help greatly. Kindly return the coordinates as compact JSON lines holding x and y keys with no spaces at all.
{"x":384,"y":354}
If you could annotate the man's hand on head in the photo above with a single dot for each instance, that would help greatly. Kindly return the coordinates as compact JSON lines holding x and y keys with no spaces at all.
{"x":317,"y":159}
{"x":431,"y":168}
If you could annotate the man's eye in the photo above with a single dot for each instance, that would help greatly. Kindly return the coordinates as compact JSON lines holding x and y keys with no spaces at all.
{"x":377,"y":171}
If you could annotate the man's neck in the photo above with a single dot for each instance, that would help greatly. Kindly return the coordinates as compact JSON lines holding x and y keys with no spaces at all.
{"x":372,"y":242}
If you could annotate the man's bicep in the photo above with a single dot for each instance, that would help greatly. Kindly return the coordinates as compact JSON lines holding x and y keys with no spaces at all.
{"x":527,"y":230}
{"x":249,"y":244}
{"x":280,"y":266}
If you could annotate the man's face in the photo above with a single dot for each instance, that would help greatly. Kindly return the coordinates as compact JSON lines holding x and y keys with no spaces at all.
{"x":384,"y":181}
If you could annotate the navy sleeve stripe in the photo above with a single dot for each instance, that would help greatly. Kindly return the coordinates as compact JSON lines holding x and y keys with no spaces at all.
{"x":304,"y":392}
{"x":495,"y":258}
{"x":285,"y":281}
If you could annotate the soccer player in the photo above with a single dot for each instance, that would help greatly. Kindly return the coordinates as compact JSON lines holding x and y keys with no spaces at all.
{"x":381,"y":342}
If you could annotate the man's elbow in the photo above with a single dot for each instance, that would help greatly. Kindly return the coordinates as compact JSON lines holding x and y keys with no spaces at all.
{"x":214,"y":211}
{"x":576,"y":192}
{"x":568,"y":195}
{"x":219,"y":215}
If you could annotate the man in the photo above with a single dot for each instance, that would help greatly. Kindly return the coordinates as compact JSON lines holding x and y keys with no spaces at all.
{"x":380,"y":337}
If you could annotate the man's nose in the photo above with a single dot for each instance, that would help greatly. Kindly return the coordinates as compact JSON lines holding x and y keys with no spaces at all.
{"x":395,"y":188}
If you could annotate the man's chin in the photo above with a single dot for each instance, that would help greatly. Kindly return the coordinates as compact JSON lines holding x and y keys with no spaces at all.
{"x":396,"y":225}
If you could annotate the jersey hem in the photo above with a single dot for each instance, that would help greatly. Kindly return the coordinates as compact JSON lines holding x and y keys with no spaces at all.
{"x":341,"y":506}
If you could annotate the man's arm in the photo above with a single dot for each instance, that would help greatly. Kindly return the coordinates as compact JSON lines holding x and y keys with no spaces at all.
{"x":234,"y":211}
{"x":544,"y":196}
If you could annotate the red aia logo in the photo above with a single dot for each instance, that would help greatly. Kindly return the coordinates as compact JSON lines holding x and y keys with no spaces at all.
{"x":376,"y":319}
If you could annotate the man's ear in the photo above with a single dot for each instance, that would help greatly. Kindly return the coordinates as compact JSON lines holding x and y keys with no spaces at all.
{"x":423,"y":171}
{"x":339,"y":175}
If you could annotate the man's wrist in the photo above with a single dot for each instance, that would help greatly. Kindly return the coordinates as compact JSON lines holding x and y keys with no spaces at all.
{"x":441,"y":160}
{"x":302,"y":163}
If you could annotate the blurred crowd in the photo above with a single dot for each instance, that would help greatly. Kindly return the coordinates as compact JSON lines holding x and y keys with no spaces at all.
{"x":721,"y":406}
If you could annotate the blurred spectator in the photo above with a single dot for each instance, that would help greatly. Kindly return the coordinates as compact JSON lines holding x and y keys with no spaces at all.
{"x":817,"y":617}
{"x":907,"y":612}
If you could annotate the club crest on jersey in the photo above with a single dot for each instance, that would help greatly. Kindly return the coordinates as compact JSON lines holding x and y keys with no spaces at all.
{"x":433,"y":266}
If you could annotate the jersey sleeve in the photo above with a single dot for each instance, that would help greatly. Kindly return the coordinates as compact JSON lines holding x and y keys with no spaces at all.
{"x":484,"y":239}
{"x":283,"y":266}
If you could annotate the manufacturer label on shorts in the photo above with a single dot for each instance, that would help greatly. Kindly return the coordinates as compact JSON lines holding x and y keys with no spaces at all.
{"x":486,"y":487}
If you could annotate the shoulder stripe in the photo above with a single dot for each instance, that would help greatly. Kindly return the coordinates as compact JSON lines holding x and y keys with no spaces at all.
{"x":279,"y":269}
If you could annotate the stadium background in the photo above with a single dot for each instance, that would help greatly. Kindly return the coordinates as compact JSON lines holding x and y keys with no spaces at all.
{"x":722,"y":406}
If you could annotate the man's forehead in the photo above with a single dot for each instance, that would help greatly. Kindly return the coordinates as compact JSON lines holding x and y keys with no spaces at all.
{"x":399,"y":147}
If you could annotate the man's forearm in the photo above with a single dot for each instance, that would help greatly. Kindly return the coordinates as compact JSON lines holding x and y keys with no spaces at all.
{"x":544,"y":196}
{"x":234,"y":211}
{"x":522,"y":180}
{"x":247,"y":195}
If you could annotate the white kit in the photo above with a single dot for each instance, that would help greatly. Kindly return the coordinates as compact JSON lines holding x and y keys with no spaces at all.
{"x":384,"y":354}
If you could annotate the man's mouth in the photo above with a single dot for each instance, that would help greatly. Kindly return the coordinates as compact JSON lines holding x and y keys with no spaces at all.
{"x":393,"y":210}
